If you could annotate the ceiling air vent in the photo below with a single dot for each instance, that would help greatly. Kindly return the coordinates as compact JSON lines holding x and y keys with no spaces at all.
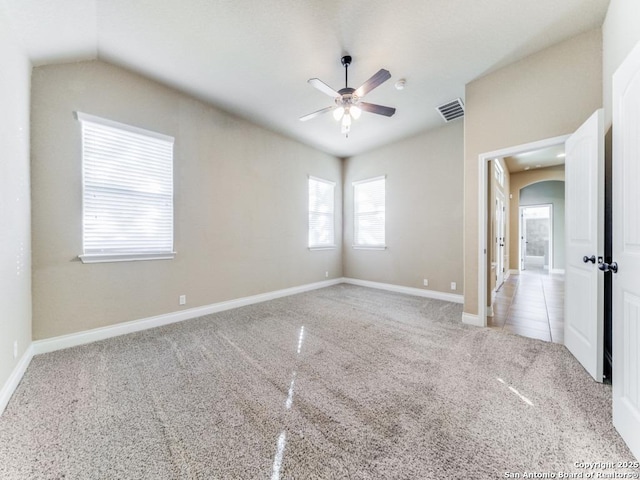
{"x":451,"y":110}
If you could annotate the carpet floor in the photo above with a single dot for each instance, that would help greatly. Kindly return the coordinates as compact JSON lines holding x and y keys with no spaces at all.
{"x":343,"y":382}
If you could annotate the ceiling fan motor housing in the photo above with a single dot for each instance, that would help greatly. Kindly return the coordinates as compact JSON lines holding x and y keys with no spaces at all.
{"x":347,"y":97}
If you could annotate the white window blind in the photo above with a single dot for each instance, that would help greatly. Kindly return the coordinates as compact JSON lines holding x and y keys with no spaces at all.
{"x":369,"y":208}
{"x":321,"y":213}
{"x":127,"y":192}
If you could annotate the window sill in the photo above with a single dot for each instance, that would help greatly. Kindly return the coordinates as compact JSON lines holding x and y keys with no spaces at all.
{"x":124,"y":257}
{"x":369,"y":247}
{"x":323,"y":247}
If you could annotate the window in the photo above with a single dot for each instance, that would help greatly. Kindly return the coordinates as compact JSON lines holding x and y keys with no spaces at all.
{"x":321,"y":223}
{"x":369,"y":208}
{"x":499,"y":172}
{"x":127,"y":192}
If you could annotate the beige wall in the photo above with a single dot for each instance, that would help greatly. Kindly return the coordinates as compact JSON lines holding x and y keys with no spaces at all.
{"x":620,"y":33}
{"x":423,"y":211}
{"x":15,"y":236}
{"x":240,"y":204}
{"x":545,"y":95}
{"x":518,"y":181}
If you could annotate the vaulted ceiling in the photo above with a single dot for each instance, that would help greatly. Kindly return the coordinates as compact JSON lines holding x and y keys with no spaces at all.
{"x":253,"y":57}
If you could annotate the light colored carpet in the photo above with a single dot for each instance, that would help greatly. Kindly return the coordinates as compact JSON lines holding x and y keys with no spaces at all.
{"x":343,"y":382}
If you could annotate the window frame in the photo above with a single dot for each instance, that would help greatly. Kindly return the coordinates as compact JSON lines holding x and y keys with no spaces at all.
{"x":144,"y":253}
{"x":321,"y":246}
{"x":363,"y":246}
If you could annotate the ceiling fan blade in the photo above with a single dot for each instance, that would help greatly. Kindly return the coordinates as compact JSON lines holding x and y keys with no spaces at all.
{"x":379,"y":109}
{"x":316,"y":113}
{"x":379,"y":78}
{"x":323,"y":87}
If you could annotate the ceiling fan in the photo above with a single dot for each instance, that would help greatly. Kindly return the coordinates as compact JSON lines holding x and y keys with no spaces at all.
{"x":348,"y":101}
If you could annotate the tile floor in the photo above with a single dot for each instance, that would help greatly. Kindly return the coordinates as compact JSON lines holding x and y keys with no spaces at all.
{"x":531,"y":304}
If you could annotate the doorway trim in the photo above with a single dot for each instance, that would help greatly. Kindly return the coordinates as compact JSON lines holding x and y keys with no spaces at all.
{"x":483,"y":190}
{"x":521,"y":249}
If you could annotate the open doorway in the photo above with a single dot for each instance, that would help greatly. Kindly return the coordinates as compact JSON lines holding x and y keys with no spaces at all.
{"x":541,"y":229}
{"x":536,"y":234}
{"x":531,"y":300}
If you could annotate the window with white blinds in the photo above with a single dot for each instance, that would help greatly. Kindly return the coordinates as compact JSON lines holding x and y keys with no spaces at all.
{"x":127,"y":192}
{"x":321,"y":213}
{"x":369,"y":210}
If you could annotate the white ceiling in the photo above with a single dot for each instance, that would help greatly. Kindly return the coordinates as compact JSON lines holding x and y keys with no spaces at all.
{"x":254,"y":57}
{"x":542,"y":158}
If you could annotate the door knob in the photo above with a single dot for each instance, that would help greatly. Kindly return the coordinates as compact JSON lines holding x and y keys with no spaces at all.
{"x":608,"y":267}
{"x":591,"y":259}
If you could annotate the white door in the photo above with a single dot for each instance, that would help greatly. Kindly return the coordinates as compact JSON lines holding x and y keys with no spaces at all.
{"x":584,"y":214}
{"x":523,"y":239}
{"x":499,"y":229}
{"x":626,"y":250}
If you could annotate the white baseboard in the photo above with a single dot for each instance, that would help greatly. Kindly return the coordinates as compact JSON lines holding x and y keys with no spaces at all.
{"x":102,"y":333}
{"x":472,"y":319}
{"x":418,"y":292}
{"x":514,"y":271}
{"x":557,"y":270}
{"x":14,"y":379}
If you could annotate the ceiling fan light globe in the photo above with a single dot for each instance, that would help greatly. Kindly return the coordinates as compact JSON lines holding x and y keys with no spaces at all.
{"x":355,"y":112}
{"x":338,"y":113}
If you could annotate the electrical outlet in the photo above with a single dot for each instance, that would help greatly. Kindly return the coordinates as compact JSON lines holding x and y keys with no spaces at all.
{"x":326,"y":274}
{"x":453,"y":285}
{"x":15,"y":349}
{"x":183,"y":299}
{"x":425,"y":282}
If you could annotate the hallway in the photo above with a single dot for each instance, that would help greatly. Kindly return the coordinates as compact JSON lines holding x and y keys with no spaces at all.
{"x":531,"y":304}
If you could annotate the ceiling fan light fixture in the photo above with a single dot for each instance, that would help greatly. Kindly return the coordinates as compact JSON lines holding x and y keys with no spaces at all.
{"x":348,"y":104}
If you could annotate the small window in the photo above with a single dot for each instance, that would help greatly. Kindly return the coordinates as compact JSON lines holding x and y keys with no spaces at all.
{"x":369,"y":208}
{"x":499,"y":172}
{"x":321,"y":213}
{"x":127,"y":192}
